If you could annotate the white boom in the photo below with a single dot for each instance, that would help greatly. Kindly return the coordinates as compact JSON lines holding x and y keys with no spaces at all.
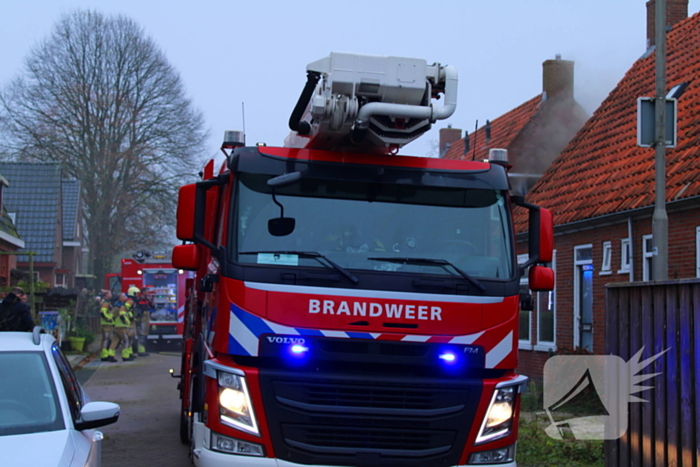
{"x":370,"y":103}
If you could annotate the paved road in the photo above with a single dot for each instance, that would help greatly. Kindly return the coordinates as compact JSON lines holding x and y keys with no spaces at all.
{"x":146,"y":434}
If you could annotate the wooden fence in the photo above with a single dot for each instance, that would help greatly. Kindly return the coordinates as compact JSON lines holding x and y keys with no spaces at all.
{"x":665,"y":431}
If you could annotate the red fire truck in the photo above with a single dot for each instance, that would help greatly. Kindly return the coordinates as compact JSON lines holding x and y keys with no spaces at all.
{"x":166,"y":285}
{"x":354,"y":307}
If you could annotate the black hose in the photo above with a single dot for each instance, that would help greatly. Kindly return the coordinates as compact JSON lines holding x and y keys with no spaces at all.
{"x":295,"y":123}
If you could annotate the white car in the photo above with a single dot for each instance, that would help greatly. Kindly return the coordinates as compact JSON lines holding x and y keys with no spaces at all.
{"x":46,"y":419}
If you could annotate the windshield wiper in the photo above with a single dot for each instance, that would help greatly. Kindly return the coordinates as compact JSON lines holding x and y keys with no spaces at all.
{"x":308,"y":254}
{"x":432,"y":261}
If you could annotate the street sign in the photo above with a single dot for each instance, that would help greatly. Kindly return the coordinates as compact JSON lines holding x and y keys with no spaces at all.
{"x":646,"y":122}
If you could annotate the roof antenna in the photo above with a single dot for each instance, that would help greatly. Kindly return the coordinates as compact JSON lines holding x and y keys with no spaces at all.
{"x":476,"y":128}
{"x":465,"y":151}
{"x":243,"y":112}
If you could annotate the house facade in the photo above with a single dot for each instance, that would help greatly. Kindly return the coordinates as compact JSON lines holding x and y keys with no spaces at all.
{"x":44,"y":209}
{"x":10,"y":240}
{"x":72,"y":271}
{"x":601,"y":191}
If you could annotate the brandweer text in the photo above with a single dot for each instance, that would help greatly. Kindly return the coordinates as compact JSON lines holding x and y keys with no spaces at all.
{"x":389,"y":310}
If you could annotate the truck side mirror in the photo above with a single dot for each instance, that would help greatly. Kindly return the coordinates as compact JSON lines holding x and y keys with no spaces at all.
{"x":546,"y":229}
{"x":540,"y":233}
{"x":192,"y":207}
{"x":186,"y":199}
{"x":541,"y":279}
{"x":186,"y":257}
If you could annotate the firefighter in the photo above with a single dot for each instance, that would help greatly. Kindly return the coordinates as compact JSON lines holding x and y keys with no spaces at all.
{"x":144,"y":305}
{"x":130,"y":304}
{"x":350,"y":240}
{"x":121,"y":329}
{"x":106,"y":326}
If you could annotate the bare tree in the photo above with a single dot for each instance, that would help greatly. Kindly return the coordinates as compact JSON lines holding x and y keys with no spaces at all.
{"x":99,"y":96}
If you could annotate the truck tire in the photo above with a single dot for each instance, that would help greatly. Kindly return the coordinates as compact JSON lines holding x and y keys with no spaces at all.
{"x":195,"y":402}
{"x":185,"y":437}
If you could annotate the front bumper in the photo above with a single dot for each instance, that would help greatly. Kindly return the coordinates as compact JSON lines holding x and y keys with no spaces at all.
{"x":204,"y":457}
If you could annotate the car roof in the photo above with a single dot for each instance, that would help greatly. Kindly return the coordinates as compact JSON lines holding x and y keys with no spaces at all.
{"x":25,"y":341}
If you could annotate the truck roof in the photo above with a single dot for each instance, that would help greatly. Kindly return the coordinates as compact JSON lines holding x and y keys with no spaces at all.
{"x":365,"y":167}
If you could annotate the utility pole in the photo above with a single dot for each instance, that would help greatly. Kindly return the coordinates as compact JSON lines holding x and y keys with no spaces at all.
{"x":660,"y":218}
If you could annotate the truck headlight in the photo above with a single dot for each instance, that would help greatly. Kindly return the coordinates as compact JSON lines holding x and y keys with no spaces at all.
{"x":498,"y":421}
{"x":235,"y":408}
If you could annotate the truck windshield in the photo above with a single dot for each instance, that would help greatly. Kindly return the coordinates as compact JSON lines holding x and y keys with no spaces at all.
{"x":357,"y":224}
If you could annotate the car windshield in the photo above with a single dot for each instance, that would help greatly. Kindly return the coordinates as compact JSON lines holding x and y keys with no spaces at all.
{"x":28,"y":398}
{"x":356,"y":225}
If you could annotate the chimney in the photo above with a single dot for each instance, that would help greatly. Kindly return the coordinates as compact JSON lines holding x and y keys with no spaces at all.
{"x":676,"y":11}
{"x":448,"y":136}
{"x":558,"y":78}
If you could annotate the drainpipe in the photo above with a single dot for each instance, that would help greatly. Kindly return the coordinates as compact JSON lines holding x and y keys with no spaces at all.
{"x":629,"y":234}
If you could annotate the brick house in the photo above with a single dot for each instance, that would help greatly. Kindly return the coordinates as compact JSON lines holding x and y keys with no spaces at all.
{"x":45,"y":210}
{"x":72,"y":271}
{"x":601,"y":192}
{"x":10,"y":240}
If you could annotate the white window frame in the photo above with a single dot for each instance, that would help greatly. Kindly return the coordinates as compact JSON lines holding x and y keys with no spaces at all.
{"x":525,"y":344}
{"x":577,"y":290}
{"x":546,"y":346}
{"x":647,"y":258}
{"x":624,"y":256}
{"x":63,"y":283}
{"x":606,"y":266}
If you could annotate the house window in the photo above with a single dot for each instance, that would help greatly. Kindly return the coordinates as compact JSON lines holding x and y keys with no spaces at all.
{"x":624,"y":256}
{"x":648,"y":256}
{"x":546,"y":315}
{"x":60,"y":280}
{"x":606,"y":267}
{"x":525,"y":315}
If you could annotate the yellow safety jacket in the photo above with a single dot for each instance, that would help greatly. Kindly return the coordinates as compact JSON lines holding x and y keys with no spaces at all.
{"x":106,"y":316}
{"x":122,"y":320}
{"x":129,"y":304}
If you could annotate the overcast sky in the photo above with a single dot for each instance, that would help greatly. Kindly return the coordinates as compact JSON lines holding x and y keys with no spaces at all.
{"x":232,"y":52}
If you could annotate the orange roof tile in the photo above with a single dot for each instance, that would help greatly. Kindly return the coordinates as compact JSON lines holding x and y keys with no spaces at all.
{"x":602,"y":170}
{"x":504,"y":130}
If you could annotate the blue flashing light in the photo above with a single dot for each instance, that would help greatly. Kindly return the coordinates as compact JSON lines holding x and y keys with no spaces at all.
{"x":298,"y":349}
{"x":448,"y":357}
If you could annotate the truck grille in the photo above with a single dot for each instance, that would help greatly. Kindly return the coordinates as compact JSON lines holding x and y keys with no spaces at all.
{"x":376,"y":421}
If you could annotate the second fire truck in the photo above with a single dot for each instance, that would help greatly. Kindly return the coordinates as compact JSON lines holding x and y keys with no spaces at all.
{"x":153,"y":272}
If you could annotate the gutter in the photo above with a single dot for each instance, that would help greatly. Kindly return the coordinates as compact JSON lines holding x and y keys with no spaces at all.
{"x":616,"y":217}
